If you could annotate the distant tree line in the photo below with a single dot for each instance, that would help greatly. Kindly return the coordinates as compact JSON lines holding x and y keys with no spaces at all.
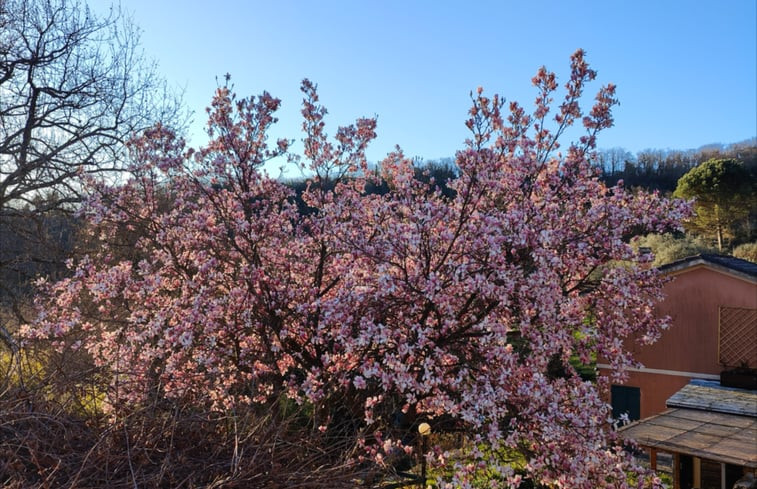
{"x":658,"y":169}
{"x":650,"y":169}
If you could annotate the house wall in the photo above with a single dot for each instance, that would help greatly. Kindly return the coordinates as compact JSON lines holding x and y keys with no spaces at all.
{"x":692,"y":300}
{"x":689,"y":349}
{"x":655,"y":390}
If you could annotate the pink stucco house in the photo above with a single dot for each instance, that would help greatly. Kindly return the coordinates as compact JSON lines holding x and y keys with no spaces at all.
{"x":712,"y":301}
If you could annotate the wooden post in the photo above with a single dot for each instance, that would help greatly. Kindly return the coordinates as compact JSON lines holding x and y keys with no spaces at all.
{"x":423,"y":461}
{"x":653,"y":459}
{"x":676,"y":471}
{"x":697,"y":472}
{"x":722,"y":475}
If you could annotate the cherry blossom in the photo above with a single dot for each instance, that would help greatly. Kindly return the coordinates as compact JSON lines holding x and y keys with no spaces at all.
{"x":212,"y":286}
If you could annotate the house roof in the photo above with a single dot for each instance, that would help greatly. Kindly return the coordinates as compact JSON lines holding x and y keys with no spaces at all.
{"x":728,"y":264}
{"x":704,"y":420}
{"x":711,"y":396}
{"x":728,"y":438}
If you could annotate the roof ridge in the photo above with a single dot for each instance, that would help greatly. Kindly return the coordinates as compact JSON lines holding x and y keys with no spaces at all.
{"x":727,"y":261}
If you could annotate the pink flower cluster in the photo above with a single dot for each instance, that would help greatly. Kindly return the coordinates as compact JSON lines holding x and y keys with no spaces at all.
{"x":442,"y":306}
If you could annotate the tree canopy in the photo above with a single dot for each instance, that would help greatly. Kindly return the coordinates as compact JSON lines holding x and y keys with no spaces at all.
{"x":451,"y":308}
{"x":725,"y":193}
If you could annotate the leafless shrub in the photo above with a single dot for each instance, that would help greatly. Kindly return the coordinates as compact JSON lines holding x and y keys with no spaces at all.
{"x":48,"y":442}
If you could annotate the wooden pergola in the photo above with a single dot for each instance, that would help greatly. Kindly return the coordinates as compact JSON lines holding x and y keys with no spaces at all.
{"x":705,"y":423}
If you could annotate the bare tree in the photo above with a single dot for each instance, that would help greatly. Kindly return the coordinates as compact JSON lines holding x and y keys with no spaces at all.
{"x":612,"y":161}
{"x":73,"y":87}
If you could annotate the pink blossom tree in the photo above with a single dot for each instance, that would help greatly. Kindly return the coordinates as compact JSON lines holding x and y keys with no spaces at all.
{"x":365,"y":305}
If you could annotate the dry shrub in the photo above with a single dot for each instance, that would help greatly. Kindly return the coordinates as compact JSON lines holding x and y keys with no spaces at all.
{"x":48,"y":441}
{"x":746,"y":251}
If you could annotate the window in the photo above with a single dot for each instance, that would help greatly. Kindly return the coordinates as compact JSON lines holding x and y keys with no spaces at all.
{"x":626,"y":400}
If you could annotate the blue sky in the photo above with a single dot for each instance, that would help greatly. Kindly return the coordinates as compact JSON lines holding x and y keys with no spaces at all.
{"x":685,"y":70}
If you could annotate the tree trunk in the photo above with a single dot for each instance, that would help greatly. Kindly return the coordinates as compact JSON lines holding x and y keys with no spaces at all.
{"x":719,"y":228}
